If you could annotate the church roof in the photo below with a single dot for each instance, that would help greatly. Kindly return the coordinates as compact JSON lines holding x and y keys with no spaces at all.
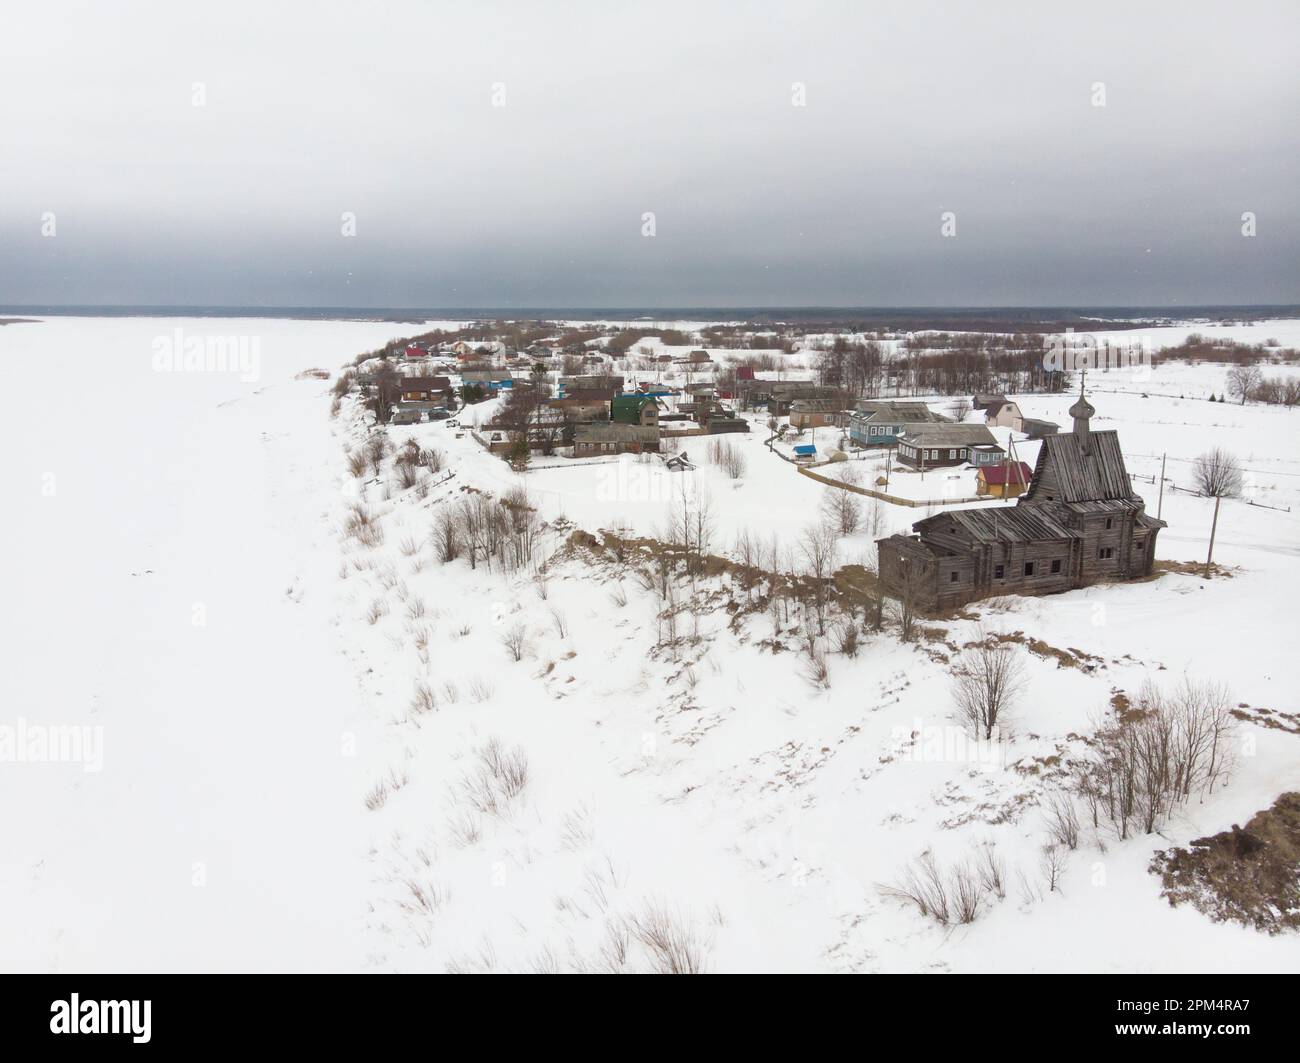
{"x":1076,"y":476}
{"x":1002,"y":524}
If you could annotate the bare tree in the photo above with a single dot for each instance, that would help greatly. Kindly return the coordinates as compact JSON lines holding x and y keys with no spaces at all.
{"x":818,"y":546}
{"x":988,"y":679}
{"x":908,"y":604}
{"x":1243,"y":380}
{"x":842,"y":510}
{"x":1217,"y":474}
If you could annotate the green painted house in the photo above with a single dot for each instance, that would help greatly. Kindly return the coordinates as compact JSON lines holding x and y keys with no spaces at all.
{"x":634,"y":409}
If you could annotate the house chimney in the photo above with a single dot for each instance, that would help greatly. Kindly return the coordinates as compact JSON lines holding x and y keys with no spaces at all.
{"x":1081,"y":411}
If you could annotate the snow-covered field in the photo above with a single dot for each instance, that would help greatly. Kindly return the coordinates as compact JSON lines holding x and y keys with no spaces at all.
{"x":273,"y":794}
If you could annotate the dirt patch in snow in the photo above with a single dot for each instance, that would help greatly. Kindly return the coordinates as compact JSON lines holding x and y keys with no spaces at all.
{"x":1247,"y":875}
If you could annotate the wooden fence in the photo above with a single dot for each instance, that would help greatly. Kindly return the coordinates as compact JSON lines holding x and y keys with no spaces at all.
{"x":914,"y":503}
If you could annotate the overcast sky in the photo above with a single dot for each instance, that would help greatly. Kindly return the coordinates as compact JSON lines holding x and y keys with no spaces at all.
{"x":612,"y":110}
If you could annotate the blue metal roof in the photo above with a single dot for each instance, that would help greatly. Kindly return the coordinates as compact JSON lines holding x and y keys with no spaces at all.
{"x":805,"y":448}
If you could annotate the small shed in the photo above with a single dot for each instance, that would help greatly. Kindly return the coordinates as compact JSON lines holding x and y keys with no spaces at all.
{"x":805,"y":452}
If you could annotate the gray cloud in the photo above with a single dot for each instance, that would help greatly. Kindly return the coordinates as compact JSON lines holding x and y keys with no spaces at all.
{"x":680,"y":109}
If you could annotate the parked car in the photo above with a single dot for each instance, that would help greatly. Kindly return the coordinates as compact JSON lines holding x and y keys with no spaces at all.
{"x":496,"y":437}
{"x":453,"y":423}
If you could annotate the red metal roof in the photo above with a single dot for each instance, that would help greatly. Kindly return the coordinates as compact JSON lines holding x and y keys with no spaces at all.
{"x":1016,"y":472}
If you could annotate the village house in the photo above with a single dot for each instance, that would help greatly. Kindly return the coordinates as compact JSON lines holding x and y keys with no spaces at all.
{"x":982,"y":400}
{"x":1003,"y":413}
{"x":490,"y":380}
{"x":471,"y":349}
{"x":636,"y":410}
{"x":985,"y":455}
{"x":816,"y":413}
{"x":585,"y":404}
{"x":425,"y":388}
{"x":1007,"y":479}
{"x":880,"y":422}
{"x":1036,"y":429}
{"x":1080,"y":522}
{"x":590,"y":440}
{"x":928,"y":446}
{"x":782,"y":394}
{"x":725,"y":423}
{"x":587,"y":381}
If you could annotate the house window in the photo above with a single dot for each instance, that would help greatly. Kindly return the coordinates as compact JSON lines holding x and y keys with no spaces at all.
{"x":1105,"y":552}
{"x":1056,"y":565}
{"x":952,"y":454}
{"x":1110,"y":523}
{"x":999,"y":571}
{"x":952,"y":578}
{"x":1137,"y":544}
{"x":1029,"y":568}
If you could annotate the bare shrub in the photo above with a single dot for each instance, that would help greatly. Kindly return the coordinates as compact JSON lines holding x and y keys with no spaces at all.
{"x":500,"y":779}
{"x":670,"y":942}
{"x":923,"y":885}
{"x":816,"y":669}
{"x":728,"y":457}
{"x":1063,"y":821}
{"x":515,"y":641}
{"x":357,"y":463}
{"x":559,"y":622}
{"x":992,"y":870}
{"x":575,"y":829}
{"x":423,"y":700}
{"x":379,"y":794}
{"x":966,"y":892}
{"x":408,"y":474}
{"x":424,"y":897}
{"x":362,"y":525}
{"x":988,"y":679}
{"x":377,"y":447}
{"x":377,"y":611}
{"x":466,"y":829}
{"x":1055,"y":859}
{"x":446,"y":535}
{"x":619,"y":595}
{"x":847,"y":638}
{"x":1165,"y":750}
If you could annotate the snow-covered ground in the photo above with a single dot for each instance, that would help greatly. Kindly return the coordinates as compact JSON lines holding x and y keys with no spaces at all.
{"x":294,"y":722}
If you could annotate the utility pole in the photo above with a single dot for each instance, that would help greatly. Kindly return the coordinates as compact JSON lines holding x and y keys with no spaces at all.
{"x":1209,"y":557}
{"x":1160,"y":506}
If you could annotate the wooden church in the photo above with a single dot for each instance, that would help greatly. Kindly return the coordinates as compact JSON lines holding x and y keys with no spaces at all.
{"x":1080,"y":522}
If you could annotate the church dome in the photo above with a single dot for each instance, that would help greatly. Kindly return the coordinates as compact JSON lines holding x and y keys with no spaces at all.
{"x":1082,"y":409}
